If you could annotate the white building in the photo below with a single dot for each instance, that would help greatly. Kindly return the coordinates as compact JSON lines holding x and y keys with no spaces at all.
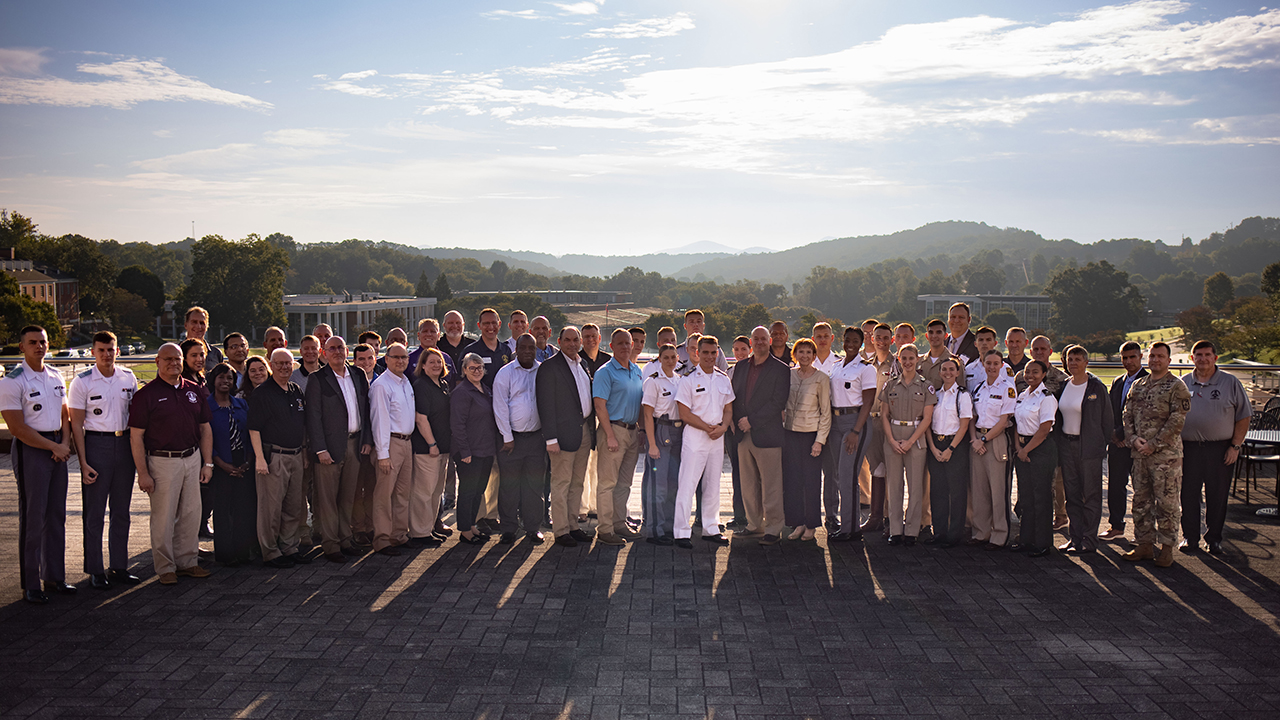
{"x":347,"y":313}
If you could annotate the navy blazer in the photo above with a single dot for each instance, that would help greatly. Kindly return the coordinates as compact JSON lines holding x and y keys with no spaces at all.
{"x":768,"y":400}
{"x":1117,"y":401}
{"x":474,"y":431}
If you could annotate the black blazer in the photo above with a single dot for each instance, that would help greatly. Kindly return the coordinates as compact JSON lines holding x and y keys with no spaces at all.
{"x":1117,"y":401}
{"x":1096,"y":420}
{"x":559,"y":407}
{"x":768,"y":399}
{"x":327,"y":412}
{"x":968,"y":346}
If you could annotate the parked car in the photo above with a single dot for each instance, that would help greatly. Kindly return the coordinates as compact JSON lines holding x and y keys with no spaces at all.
{"x":125,"y":350}
{"x":64,"y":353}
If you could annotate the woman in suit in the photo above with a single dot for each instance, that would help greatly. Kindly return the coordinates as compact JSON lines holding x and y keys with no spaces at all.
{"x":474,"y":444}
{"x":806,"y":422}
{"x":1083,"y":424}
{"x":234,"y":486}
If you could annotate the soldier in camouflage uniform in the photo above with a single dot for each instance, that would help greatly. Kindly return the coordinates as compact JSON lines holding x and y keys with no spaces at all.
{"x":1154,"y":412}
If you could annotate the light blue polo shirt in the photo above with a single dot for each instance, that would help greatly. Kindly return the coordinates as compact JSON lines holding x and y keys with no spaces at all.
{"x":621,"y":389}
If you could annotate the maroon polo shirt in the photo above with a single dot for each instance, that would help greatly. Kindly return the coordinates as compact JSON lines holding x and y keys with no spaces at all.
{"x":171,"y":416}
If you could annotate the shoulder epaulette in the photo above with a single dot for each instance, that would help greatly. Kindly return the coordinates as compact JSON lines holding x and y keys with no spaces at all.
{"x":86,"y":373}
{"x":721,"y":372}
{"x":654,"y":375}
{"x":16,"y":372}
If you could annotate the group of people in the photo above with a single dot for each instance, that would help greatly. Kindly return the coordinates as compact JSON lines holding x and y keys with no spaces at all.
{"x":354,"y":453}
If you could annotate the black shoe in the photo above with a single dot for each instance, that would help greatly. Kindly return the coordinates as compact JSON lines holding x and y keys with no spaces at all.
{"x":1189,"y":548}
{"x":389,"y":551}
{"x":442,"y":532}
{"x":1040,"y":553}
{"x":566,"y":540}
{"x":299,"y":559}
{"x":909,"y":540}
{"x":336,"y":557}
{"x":1019,"y":547}
{"x":280,"y":563}
{"x":946,"y":545}
{"x":36,"y":597}
{"x":685,"y":543}
{"x":662,"y":540}
{"x":844,"y":537}
{"x":117,"y":575}
{"x":767,"y":540}
{"x":718,"y":539}
{"x":99,"y":582}
{"x":580,"y":535}
{"x":508,"y":538}
{"x":895,"y":540}
{"x":1215,"y":547}
{"x":535,"y":537}
{"x":473,"y":540}
{"x":352,"y":552}
{"x":831,"y":525}
{"x":61,"y":588}
{"x":430,"y":541}
{"x":736,"y":526}
{"x":448,"y":503}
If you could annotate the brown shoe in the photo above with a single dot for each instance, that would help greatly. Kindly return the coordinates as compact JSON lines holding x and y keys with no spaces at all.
{"x":1144,"y":551}
{"x":628,"y":534}
{"x":767,"y":540}
{"x":1165,"y":558}
{"x":168,"y":579}
{"x":195,"y":571}
{"x":610,"y":539}
{"x":1060,"y":523}
{"x":1112,"y":534}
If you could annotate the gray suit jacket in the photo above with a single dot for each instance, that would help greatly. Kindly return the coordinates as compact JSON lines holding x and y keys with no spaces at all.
{"x":327,"y":412}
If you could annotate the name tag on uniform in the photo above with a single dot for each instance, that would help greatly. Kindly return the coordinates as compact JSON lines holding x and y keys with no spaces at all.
{"x":95,"y":397}
{"x":34,"y":393}
{"x":665,"y":394}
{"x":699,"y":389}
{"x":487,"y":360}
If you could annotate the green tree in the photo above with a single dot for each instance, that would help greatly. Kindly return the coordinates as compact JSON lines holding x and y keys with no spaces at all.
{"x":145,"y":284}
{"x":319,"y":288}
{"x":497,"y":275}
{"x":15,"y":227}
{"x":441,"y":291}
{"x":1197,"y":324}
{"x":240,"y":282}
{"x":1253,"y":329}
{"x":386,"y":321}
{"x":18,"y":310}
{"x":657,"y":321}
{"x":390,"y":284}
{"x":129,"y":313}
{"x":79,"y":257}
{"x":1093,"y":298}
{"x":1001,"y":320}
{"x":1271,"y":282}
{"x":1105,"y":342}
{"x":423,"y":288}
{"x":1218,"y":291}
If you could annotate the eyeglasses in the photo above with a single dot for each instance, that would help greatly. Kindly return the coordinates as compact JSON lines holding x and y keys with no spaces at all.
{"x":475,"y":367}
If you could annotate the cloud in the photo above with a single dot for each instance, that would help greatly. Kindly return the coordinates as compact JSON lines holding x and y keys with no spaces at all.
{"x":358,"y":75}
{"x":1246,"y":130}
{"x":653,"y":28}
{"x":305,"y":137}
{"x":522,"y":14}
{"x":124,"y":84}
{"x":21,"y":61}
{"x":578,"y":8}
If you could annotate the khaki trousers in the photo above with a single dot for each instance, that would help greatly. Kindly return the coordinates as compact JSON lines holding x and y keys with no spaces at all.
{"x":334,"y":493}
{"x":614,"y":473}
{"x":489,"y":504}
{"x":568,"y":470}
{"x":280,"y":505}
{"x":429,"y":475}
{"x":175,"y":512}
{"x":590,"y":482}
{"x":987,"y":491}
{"x":391,"y":497}
{"x":904,"y":472}
{"x":761,"y":472}
{"x":362,"y":506}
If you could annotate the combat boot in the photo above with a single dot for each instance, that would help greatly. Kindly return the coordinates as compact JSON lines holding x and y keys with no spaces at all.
{"x":1165,"y":558}
{"x":1144,"y":551}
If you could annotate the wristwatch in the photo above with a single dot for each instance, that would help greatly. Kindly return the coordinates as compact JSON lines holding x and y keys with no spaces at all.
{"x":983,"y":438}
{"x":1237,"y":447}
{"x":208,"y":465}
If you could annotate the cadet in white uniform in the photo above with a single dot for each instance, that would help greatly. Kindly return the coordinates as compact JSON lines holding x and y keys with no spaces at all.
{"x":975,"y":373}
{"x":853,"y":393}
{"x":705,"y":399}
{"x":33,"y":401}
{"x":993,"y":404}
{"x":100,"y":398}
{"x":663,"y":428}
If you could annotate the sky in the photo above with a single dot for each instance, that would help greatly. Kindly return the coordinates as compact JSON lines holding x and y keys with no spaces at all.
{"x":619,"y":128}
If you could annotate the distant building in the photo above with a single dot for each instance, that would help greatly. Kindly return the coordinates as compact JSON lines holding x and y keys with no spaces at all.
{"x":575,"y":299}
{"x":46,"y":284}
{"x":345,"y":312}
{"x":1032,"y":310}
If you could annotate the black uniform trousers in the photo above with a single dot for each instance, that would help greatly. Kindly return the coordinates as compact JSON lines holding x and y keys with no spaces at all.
{"x":1119,"y":467}
{"x":235,"y":503}
{"x":949,"y":490}
{"x":472,"y":479}
{"x":1035,"y":495}
{"x":112,"y":458}
{"x":42,"y":514}
{"x":1202,"y":466}
{"x":521,"y":475}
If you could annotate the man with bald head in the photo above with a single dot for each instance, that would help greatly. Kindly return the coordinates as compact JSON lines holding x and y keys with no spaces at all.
{"x":170,"y":438}
{"x":540,"y":328}
{"x":277,"y":428}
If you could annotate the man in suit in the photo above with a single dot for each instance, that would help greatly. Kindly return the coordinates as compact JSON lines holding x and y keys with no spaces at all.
{"x":1119,"y":456}
{"x":563,"y":389}
{"x":337,"y":410}
{"x":761,"y":385}
{"x":961,"y":340}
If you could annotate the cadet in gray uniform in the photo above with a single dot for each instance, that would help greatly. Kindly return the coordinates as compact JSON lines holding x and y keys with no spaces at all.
{"x":33,"y":401}
{"x":664,"y":429}
{"x":100,"y":398}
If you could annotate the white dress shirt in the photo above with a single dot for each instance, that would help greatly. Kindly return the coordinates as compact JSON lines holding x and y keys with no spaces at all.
{"x":104,"y":400}
{"x":946,"y":421}
{"x":1033,"y":408}
{"x":660,"y":394}
{"x":391,"y":409}
{"x":848,"y":380}
{"x":39,"y":395}
{"x":991,"y":400}
{"x":583,"y":380}
{"x":705,"y":394}
{"x":348,"y":388}
{"x":829,"y":365}
{"x":515,"y":400}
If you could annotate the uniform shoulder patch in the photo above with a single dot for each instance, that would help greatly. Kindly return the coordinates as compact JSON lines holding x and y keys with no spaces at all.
{"x":16,"y":372}
{"x":1012,"y":394}
{"x":653,"y":375}
{"x":85,"y":373}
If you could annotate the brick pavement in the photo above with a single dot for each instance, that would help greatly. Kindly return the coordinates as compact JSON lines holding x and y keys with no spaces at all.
{"x":798,"y":630}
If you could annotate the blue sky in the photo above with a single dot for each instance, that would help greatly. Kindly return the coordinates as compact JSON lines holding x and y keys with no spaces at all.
{"x":615,"y":127}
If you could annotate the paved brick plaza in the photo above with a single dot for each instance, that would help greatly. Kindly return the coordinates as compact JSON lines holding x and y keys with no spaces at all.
{"x":797,"y":630}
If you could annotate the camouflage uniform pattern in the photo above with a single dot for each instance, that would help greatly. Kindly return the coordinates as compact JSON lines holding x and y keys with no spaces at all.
{"x":1155,"y":411}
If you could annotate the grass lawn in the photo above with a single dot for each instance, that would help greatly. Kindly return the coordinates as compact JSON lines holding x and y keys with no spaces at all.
{"x":1150,"y":336}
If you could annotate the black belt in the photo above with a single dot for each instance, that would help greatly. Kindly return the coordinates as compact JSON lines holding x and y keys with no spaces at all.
{"x":172,"y":453}
{"x":983,"y":431}
{"x":1025,"y":438}
{"x":105,"y":433}
{"x":283,"y":450}
{"x":531,"y":432}
{"x":619,"y":423}
{"x":54,"y":435}
{"x":400,"y":436}
{"x":666,"y":421}
{"x":846,"y":410}
{"x":354,"y":435}
{"x":1205,"y":442}
{"x":943,"y":438}
{"x":1073,"y":438}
